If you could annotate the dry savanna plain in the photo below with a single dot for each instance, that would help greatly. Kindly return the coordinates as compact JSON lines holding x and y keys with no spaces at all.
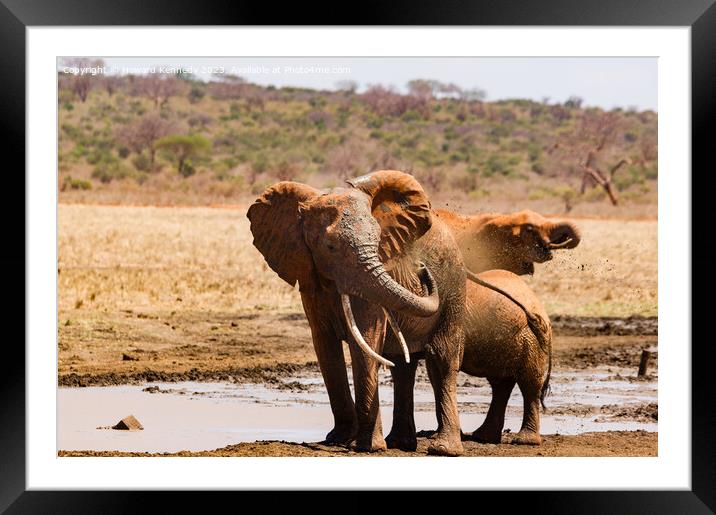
{"x":176,"y":294}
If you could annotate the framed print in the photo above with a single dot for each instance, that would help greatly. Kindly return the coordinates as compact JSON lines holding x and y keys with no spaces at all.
{"x":233,"y":232}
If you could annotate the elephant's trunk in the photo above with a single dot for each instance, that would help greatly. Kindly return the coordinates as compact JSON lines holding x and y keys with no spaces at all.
{"x":378,"y":287}
{"x":563,"y":235}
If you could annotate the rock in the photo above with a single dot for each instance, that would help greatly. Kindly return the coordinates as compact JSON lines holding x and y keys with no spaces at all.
{"x":151,"y":389}
{"x":129,"y":357}
{"x":128,"y":423}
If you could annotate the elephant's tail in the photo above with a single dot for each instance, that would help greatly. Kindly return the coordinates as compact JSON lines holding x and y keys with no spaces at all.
{"x":538,"y":325}
{"x":543,"y":332}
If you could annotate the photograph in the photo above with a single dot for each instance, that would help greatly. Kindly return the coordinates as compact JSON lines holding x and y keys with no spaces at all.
{"x":357,"y":256}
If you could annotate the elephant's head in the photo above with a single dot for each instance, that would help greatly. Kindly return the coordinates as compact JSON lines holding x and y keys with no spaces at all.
{"x":521,"y":239}
{"x":345,"y":237}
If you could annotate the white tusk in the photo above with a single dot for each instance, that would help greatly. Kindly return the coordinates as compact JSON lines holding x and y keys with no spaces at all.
{"x":348,"y":313}
{"x":396,"y":329}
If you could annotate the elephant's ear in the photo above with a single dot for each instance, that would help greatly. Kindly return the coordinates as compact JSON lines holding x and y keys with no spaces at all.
{"x":277,"y":230}
{"x":401,"y":207}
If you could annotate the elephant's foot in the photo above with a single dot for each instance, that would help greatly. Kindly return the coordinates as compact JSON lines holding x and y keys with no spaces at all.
{"x":370,"y":443}
{"x":404,"y":442}
{"x":487,"y":435}
{"x":526,"y":437}
{"x":342,"y":434}
{"x":442,"y":445}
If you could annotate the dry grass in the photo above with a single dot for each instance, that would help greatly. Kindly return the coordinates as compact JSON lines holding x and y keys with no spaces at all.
{"x":118,"y":258}
{"x":114,"y":258}
{"x":613,"y":272}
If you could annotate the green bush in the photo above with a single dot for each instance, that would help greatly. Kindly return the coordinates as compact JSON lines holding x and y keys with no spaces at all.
{"x":496,"y":164}
{"x":75,"y":184}
{"x":107,"y":172}
{"x":142,"y":162}
{"x":537,"y":167}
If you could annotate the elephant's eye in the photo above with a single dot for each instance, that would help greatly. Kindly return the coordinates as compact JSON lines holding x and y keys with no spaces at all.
{"x":331,"y":247}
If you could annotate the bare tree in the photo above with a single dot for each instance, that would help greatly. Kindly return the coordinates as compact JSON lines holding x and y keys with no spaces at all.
{"x":344,"y":160}
{"x":424,"y":89}
{"x":144,"y":132}
{"x":228,"y":87}
{"x":596,"y":132}
{"x":387,"y":102}
{"x":347,"y":86}
{"x":80,"y":82}
{"x":159,"y":88}
{"x":111,"y":83}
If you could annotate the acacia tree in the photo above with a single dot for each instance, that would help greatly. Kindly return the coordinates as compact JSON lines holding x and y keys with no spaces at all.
{"x":143,"y":133}
{"x":182,"y":149}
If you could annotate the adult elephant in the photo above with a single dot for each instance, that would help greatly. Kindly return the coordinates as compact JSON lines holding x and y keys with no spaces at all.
{"x":512,"y":241}
{"x":362,"y":256}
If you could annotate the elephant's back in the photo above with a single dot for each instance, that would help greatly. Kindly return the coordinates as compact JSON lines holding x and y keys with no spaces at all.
{"x":496,"y":328}
{"x":511,"y":283}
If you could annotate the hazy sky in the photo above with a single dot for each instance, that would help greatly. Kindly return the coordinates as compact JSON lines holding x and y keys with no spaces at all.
{"x":606,"y":82}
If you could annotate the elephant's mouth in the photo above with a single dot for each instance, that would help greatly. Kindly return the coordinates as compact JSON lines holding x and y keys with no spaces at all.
{"x":528,"y":267}
{"x":544,"y":252}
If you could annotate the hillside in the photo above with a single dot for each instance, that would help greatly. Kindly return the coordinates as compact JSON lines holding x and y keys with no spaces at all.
{"x":169,"y":141}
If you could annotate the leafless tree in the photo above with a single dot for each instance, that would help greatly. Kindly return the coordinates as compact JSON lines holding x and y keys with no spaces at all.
{"x":81,"y":83}
{"x":344,"y":161}
{"x":596,"y":132}
{"x":347,"y":86}
{"x":228,"y":87}
{"x":387,"y":102}
{"x":111,"y":83}
{"x":143,"y":133}
{"x":159,"y":88}
{"x":424,"y":89}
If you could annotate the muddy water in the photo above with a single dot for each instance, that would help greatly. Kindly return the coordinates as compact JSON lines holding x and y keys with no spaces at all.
{"x":201,"y":416}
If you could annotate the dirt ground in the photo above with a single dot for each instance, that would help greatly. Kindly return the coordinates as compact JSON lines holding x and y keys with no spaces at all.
{"x":611,"y":443}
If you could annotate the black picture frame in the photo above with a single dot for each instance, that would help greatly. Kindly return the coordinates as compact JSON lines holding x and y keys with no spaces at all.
{"x":17,"y":15}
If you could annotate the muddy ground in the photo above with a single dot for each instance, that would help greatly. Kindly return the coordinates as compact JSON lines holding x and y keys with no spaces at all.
{"x":271,"y":347}
{"x":264,"y":346}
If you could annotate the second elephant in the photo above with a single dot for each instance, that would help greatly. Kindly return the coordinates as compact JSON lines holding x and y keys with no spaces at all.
{"x":510,"y":241}
{"x":508,"y":340}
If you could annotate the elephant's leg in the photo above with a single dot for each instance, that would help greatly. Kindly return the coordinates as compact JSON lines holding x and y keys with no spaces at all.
{"x":529,"y":432}
{"x":442,"y":358}
{"x":491,"y":429}
{"x":331,"y":361}
{"x":402,"y":434}
{"x":370,"y":320}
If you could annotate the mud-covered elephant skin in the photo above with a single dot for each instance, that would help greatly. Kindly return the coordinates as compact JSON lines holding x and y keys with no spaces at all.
{"x":362,"y":255}
{"x":508,"y":340}
{"x":511,"y":241}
